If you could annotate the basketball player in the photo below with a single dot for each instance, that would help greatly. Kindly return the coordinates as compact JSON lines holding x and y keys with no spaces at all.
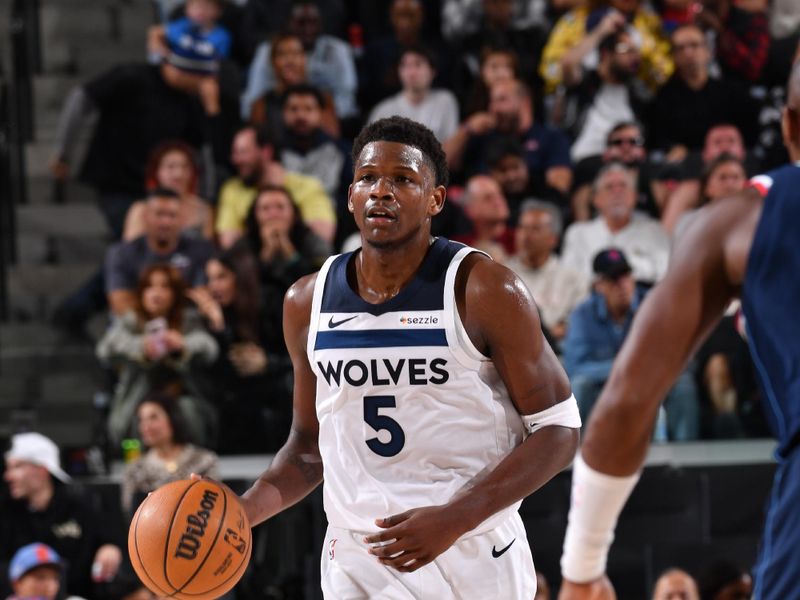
{"x":425,"y":396}
{"x":746,"y":246}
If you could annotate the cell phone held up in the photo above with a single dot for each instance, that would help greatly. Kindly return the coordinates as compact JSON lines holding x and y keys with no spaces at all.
{"x":155,"y":331}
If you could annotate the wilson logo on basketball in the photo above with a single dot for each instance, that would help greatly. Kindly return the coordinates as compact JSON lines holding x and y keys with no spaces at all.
{"x":196,"y":524}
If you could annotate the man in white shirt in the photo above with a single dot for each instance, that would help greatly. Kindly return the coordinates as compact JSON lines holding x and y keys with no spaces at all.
{"x":557,"y":289}
{"x":641,"y":238}
{"x":436,"y":109}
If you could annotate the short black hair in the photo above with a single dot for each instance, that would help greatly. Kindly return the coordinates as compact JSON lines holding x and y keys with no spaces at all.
{"x":420,"y":50}
{"x":406,"y":131}
{"x":303,"y":89}
{"x":501,"y":148}
{"x":169,"y":404}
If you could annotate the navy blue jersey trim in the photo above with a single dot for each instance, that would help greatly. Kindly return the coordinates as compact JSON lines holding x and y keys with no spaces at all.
{"x":424,"y":292}
{"x":380,"y":338}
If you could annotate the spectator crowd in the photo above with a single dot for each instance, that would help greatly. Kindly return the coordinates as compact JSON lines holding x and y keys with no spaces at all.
{"x":581,"y":136}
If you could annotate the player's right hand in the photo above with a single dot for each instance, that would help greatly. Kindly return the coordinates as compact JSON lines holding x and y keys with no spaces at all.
{"x":599,"y":589}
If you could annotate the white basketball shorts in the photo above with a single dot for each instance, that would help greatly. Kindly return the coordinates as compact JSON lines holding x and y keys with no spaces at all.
{"x":496,"y":564}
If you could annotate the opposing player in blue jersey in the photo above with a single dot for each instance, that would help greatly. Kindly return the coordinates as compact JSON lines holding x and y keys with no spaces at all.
{"x":747,"y":246}
{"x":425,"y":396}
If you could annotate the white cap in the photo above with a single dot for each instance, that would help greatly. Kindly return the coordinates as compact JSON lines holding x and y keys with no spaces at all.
{"x":39,"y":450}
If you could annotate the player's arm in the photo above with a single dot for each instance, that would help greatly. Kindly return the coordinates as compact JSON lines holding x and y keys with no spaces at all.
{"x":297,"y":467}
{"x":503,"y":322}
{"x":706,"y":270}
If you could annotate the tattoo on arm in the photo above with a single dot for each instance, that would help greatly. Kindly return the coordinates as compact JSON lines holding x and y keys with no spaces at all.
{"x":309,"y":465}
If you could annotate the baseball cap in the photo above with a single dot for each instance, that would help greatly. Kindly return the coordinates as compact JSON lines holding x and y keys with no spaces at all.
{"x":611,"y":264}
{"x":32,"y":556}
{"x":39,"y":450}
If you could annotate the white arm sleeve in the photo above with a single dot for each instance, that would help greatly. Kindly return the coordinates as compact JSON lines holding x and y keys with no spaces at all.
{"x":596,"y":501}
{"x":565,"y":414}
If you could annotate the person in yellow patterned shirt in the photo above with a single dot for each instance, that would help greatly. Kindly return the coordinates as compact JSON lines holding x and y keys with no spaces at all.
{"x":253,"y":159}
{"x":576,"y":36}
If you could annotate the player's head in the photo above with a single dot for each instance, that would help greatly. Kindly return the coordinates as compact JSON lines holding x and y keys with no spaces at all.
{"x":791,"y":113}
{"x":399,"y":179}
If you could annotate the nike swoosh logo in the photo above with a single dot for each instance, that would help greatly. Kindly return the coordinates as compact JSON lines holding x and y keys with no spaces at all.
{"x":498,"y":553}
{"x":333,"y":324}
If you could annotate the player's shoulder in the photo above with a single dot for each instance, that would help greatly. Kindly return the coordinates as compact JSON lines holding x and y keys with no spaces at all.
{"x":300,"y":294}
{"x":482,"y":279}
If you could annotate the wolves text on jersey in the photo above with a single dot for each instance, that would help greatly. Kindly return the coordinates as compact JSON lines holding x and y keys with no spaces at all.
{"x":411,"y":371}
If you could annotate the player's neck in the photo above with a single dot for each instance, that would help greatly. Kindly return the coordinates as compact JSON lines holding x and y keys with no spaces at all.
{"x":382,"y":273}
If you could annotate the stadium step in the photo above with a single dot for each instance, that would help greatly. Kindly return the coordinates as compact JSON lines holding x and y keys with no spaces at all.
{"x":66,"y":220}
{"x":35,"y":290}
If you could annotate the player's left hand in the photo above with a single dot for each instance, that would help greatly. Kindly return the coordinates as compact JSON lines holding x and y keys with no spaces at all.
{"x":416,"y":537}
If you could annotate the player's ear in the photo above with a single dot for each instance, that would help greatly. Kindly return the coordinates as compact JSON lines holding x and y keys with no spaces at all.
{"x":350,"y":206}
{"x":436,"y":202}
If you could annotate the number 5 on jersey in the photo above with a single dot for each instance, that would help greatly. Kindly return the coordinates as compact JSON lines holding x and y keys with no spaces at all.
{"x":397,"y":439}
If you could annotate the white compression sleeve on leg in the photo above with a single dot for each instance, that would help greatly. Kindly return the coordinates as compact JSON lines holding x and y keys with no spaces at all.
{"x":596,"y":501}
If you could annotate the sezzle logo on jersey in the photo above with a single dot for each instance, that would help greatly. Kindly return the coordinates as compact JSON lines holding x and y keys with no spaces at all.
{"x":411,"y":371}
{"x":429,"y":320}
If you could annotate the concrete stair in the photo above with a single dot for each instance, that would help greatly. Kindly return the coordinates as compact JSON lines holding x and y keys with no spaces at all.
{"x":47,"y":380}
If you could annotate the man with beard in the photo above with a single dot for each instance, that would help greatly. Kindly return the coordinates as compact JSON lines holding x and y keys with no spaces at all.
{"x":640,"y":237}
{"x":607,"y":95}
{"x":307,"y":149}
{"x":253,"y":156}
{"x":693,"y":101}
{"x":161,"y":243}
{"x":511,"y":113}
{"x":625,"y":143}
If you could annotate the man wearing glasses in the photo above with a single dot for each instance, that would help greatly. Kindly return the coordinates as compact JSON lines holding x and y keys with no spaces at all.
{"x":625,"y":144}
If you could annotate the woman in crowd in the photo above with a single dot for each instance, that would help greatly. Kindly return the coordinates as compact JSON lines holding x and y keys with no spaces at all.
{"x":169,"y":456}
{"x":157,"y":347}
{"x":285,"y":248}
{"x":252,"y":374}
{"x":721,"y":178}
{"x":289,"y":66}
{"x":724,"y":368}
{"x":497,"y":64}
{"x":172,"y":165}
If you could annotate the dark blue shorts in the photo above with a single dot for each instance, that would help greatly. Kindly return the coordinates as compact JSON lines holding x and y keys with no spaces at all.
{"x":777,"y":573}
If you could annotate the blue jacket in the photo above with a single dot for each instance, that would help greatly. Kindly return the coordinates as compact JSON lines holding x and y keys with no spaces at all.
{"x":593,"y":339}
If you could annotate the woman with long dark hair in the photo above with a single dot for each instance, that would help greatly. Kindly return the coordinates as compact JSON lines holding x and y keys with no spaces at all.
{"x":285,"y":248}
{"x":251,"y":375}
{"x":157,"y":347}
{"x":170,"y":455}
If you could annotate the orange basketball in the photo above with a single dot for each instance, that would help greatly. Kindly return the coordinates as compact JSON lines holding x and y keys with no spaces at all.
{"x":190,"y":540}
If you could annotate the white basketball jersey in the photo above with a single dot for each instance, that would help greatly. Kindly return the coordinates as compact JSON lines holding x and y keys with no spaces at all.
{"x":409,"y":410}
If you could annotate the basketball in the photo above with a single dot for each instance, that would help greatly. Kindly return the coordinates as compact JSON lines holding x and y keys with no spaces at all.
{"x":190,"y":540}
